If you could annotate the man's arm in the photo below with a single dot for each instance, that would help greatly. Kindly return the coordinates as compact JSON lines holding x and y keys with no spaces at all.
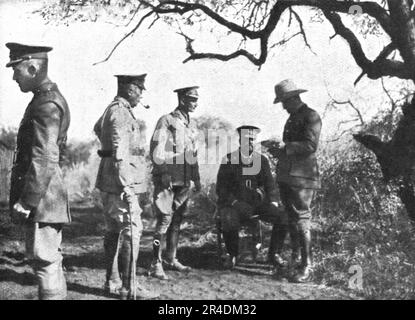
{"x":158,"y":145}
{"x":97,"y":127}
{"x":312,"y":129}
{"x":45,"y":153}
{"x":120,"y":140}
{"x":223,"y":184}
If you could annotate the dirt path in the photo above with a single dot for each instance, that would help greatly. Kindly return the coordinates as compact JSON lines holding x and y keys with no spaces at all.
{"x":83,"y":259}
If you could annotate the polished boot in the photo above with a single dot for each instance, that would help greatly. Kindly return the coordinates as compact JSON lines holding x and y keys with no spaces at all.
{"x":125,"y":269}
{"x":306,"y":271}
{"x":231,"y":239}
{"x":113,"y":280}
{"x":172,"y":241}
{"x":128,"y":260}
{"x":278,"y":234}
{"x":295,"y":246}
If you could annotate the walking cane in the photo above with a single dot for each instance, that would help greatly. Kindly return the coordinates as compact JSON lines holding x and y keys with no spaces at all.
{"x":132,"y":268}
{"x":132,"y":262}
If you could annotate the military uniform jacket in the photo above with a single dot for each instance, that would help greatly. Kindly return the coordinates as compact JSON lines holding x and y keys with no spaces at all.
{"x":36,"y":178}
{"x":124,"y":165}
{"x":297,"y":166}
{"x":235,"y":183}
{"x":173,"y":149}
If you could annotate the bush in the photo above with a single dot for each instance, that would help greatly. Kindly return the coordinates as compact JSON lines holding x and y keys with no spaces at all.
{"x":359,"y":220}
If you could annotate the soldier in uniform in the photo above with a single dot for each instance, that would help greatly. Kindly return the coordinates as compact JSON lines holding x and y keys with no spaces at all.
{"x":246,"y":193}
{"x":38,"y":196}
{"x":297,"y":170}
{"x":174,"y":157}
{"x":121,"y":180}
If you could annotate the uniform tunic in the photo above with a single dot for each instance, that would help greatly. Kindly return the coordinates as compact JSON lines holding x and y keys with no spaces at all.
{"x":173,"y":148}
{"x":121,"y":138}
{"x":298,"y":164}
{"x":233,"y":183}
{"x":36,"y":177}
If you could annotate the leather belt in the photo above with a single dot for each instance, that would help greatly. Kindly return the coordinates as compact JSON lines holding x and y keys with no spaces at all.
{"x":105,"y":153}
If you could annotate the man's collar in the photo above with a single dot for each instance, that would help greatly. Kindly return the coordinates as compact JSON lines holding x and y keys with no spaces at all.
{"x":300,"y":108}
{"x":178,"y":112}
{"x":124,"y":102}
{"x":247,"y":157}
{"x":44,"y":87}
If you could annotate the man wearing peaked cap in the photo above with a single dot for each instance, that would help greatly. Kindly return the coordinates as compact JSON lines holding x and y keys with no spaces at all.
{"x":297,"y":173}
{"x":122,"y":182}
{"x":174,"y":156}
{"x":246,"y":194}
{"x":38,"y":195}
{"x":138,"y":80}
{"x":21,"y":52}
{"x":190,"y":92}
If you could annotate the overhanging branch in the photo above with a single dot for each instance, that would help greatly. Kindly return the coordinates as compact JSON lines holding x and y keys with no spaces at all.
{"x":126,"y":36}
{"x":381,"y":66}
{"x":300,"y":23}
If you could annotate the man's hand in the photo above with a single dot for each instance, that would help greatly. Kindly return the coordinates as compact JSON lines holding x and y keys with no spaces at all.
{"x":281,"y":149}
{"x":20,"y":213}
{"x":127,"y":194}
{"x":275,"y":204}
{"x":131,"y":199}
{"x":166,"y":181}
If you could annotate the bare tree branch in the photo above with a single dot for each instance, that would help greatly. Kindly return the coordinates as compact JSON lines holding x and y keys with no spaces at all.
{"x":393,"y":103}
{"x":284,"y":41}
{"x":125,"y":37}
{"x":134,"y":14}
{"x":348,"y":102}
{"x":376,"y":69}
{"x":356,"y":109}
{"x":300,"y":23}
{"x":381,"y":66}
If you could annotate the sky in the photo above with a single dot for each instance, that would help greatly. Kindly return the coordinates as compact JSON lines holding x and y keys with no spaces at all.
{"x":237,"y":90}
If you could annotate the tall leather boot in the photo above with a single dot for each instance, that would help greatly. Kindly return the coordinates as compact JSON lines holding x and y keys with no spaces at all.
{"x":172,"y":241}
{"x":113,"y":280}
{"x":278,"y":234}
{"x":295,"y":245}
{"x":128,"y":259}
{"x":125,"y":268}
{"x":231,"y":239}
{"x":305,"y":273}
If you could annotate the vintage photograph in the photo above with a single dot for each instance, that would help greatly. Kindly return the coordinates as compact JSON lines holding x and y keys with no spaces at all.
{"x":211,"y":150}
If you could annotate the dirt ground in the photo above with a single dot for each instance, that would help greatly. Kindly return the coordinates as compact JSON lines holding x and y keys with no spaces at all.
{"x":84,"y":264}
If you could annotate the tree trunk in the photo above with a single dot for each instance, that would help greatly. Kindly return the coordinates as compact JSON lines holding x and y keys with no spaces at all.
{"x":404,"y":30}
{"x":397,"y":157}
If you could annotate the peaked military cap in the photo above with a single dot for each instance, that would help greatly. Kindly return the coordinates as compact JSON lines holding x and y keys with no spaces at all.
{"x":188,"y":92}
{"x":138,"y":80}
{"x":20,"y":52}
{"x":248,"y":127}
